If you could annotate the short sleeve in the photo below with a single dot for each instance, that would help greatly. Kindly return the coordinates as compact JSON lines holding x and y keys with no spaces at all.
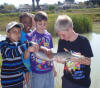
{"x":86,"y":49}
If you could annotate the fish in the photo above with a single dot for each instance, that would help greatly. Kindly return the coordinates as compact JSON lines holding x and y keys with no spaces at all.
{"x":64,"y":55}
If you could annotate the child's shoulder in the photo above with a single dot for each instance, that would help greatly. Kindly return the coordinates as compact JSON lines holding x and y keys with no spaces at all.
{"x":3,"y":43}
{"x":48,"y":33}
{"x":30,"y":33}
{"x":82,"y":38}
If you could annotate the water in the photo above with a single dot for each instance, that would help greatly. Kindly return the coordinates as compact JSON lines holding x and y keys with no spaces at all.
{"x":95,"y":72}
{"x":2,"y":37}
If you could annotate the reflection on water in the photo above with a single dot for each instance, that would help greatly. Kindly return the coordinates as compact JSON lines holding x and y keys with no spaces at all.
{"x":95,"y":72}
{"x":2,"y":37}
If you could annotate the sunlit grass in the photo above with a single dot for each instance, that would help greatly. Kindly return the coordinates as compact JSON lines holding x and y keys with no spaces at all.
{"x":0,"y":61}
{"x":96,"y":27}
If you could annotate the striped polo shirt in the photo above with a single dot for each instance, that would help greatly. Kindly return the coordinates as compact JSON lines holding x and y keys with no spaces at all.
{"x":12,"y":65}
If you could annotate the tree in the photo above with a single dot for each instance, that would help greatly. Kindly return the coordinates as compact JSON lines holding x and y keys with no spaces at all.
{"x":6,"y":7}
{"x":70,"y":1}
{"x":95,"y":2}
{"x":51,"y":7}
{"x":33,"y":3}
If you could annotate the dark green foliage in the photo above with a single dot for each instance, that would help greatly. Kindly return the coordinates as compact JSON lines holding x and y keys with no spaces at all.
{"x":82,"y":24}
{"x":95,"y":2}
{"x":51,"y":7}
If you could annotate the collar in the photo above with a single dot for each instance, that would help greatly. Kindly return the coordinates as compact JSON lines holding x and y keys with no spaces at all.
{"x":9,"y":41}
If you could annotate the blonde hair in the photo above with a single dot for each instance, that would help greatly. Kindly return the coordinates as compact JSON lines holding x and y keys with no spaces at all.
{"x":63,"y":23}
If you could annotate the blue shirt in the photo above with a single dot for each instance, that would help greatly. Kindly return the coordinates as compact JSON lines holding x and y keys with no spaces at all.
{"x":12,"y":65}
{"x":24,"y":39}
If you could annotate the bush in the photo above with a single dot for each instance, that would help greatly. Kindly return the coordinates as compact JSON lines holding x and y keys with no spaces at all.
{"x":82,"y":24}
{"x":51,"y":22}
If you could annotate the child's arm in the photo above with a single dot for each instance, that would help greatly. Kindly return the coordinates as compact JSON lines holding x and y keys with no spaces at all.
{"x":47,"y":51}
{"x":34,"y":48}
{"x":9,"y":51}
{"x":60,"y":60}
{"x":27,"y":77}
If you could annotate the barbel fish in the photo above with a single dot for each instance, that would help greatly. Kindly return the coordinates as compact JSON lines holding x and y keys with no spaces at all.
{"x":64,"y":55}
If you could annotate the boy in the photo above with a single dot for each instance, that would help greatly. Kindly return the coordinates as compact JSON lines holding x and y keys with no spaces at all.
{"x":11,"y":50}
{"x":42,"y":71}
{"x":76,"y":71}
{"x":27,"y":19}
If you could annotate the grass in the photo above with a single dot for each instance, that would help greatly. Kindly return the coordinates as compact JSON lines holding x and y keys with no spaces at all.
{"x":96,"y":27}
{"x":92,"y":13}
{"x":0,"y":61}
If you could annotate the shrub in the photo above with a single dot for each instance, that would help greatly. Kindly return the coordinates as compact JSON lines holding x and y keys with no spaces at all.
{"x":82,"y":24}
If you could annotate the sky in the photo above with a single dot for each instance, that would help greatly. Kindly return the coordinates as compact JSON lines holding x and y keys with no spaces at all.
{"x":18,"y":2}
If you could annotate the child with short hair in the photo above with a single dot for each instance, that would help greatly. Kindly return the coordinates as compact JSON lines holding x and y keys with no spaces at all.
{"x":42,"y":71}
{"x":11,"y":50}
{"x":27,"y":19}
{"x":77,"y":70}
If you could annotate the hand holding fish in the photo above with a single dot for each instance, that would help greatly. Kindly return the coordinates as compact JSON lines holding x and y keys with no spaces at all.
{"x":34,"y":48}
{"x":46,"y":51}
{"x":81,"y":59}
{"x":60,"y":60}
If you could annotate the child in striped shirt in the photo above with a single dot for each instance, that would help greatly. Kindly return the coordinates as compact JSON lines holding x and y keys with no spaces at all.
{"x":11,"y":50}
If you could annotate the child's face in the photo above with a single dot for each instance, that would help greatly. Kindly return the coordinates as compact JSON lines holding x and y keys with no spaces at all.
{"x":27,"y":22}
{"x":64,"y":35}
{"x":41,"y":26}
{"x":14,"y":34}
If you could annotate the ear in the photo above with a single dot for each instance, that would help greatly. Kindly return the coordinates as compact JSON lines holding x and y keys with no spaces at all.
{"x":8,"y":34}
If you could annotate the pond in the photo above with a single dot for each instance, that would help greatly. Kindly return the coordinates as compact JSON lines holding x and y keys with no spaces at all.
{"x":94,"y":39}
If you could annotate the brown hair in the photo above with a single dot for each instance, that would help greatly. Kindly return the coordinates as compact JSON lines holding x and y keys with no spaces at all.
{"x":41,"y":16}
{"x":25,"y":14}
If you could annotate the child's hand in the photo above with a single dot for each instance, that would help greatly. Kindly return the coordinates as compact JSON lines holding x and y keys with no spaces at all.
{"x":75,"y":59}
{"x":55,"y":73}
{"x":60,"y":60}
{"x":33,"y":48}
{"x":47,"y":51}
